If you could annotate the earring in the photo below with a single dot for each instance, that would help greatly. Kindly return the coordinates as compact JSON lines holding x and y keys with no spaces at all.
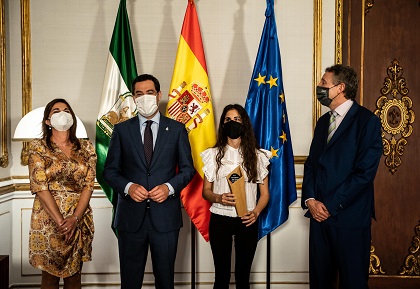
{"x":49,"y":127}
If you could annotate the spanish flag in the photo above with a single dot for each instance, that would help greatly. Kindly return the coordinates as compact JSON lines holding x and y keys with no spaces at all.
{"x":190,"y":103}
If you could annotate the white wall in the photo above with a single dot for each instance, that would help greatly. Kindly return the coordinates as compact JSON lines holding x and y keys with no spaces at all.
{"x":289,"y":252}
{"x":70,"y":41}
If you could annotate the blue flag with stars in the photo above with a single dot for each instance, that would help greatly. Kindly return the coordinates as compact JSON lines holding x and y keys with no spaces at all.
{"x":266,"y":106}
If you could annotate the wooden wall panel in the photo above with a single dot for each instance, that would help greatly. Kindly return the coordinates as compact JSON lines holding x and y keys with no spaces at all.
{"x":375,"y":33}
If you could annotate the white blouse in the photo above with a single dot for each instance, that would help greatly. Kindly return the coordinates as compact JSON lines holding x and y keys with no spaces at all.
{"x":230,"y":161}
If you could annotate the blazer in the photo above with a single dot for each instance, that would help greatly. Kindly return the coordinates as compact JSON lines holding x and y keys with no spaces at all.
{"x":340,"y":174}
{"x":171,"y":163}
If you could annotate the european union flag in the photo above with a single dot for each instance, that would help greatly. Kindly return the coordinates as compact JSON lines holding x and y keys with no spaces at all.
{"x":266,"y":106}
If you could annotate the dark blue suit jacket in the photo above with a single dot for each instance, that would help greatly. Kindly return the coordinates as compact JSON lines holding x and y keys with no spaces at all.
{"x":341,"y":173}
{"x":171,"y":163}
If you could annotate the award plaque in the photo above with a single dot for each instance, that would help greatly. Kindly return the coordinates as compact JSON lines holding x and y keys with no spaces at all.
{"x":236,"y":183}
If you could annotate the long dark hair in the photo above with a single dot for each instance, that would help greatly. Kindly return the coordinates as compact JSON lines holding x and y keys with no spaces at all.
{"x":46,"y":130}
{"x":248,"y":144}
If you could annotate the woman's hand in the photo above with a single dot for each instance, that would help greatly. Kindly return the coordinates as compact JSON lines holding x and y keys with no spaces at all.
{"x":227,"y":199}
{"x":68,"y":227}
{"x":249,"y":218}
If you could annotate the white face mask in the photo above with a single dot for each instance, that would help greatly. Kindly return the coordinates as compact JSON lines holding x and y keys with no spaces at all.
{"x":146,"y":104}
{"x":61,"y":121}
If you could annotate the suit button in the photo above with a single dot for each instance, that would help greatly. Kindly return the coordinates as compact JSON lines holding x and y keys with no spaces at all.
{"x":149,"y":174}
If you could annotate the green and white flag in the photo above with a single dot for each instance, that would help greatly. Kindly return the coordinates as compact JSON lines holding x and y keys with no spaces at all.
{"x":117,"y":104}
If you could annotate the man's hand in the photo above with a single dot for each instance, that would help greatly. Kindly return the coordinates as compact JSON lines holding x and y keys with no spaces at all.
{"x":138,"y":193}
{"x":318,"y":210}
{"x":159,"y":193}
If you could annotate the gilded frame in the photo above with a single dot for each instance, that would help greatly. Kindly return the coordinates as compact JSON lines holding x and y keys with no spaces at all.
{"x":4,"y":155}
{"x":317,"y":68}
{"x":26,"y":68}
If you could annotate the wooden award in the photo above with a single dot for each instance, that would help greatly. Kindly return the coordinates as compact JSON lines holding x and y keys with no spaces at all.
{"x":236,"y":183}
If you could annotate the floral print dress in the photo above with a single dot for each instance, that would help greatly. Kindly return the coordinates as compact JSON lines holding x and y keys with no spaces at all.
{"x":65,"y":178}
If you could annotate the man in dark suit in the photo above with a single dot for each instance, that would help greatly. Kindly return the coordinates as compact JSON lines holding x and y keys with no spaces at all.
{"x":338,"y":184}
{"x":149,"y":162}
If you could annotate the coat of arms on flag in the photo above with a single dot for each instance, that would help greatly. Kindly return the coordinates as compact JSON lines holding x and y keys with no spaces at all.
{"x":189,"y":106}
{"x":123,"y":109}
{"x":190,"y":103}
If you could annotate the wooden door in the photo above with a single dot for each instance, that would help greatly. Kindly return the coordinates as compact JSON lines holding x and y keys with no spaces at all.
{"x":381,"y":39}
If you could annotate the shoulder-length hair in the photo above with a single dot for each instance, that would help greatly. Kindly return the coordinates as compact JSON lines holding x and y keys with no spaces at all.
{"x":248,"y":144}
{"x":46,"y":130}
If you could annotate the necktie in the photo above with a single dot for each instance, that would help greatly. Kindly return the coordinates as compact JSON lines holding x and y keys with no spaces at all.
{"x":148,"y":142}
{"x":331,"y":127}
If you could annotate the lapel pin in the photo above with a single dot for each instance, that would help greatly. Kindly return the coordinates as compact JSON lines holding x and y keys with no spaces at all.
{"x":167,"y":128}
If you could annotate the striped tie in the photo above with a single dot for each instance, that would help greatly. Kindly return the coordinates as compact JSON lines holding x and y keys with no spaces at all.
{"x":331,"y":127}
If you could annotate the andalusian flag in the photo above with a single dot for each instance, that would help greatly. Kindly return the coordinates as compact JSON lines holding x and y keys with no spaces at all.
{"x":266,"y":106}
{"x":116,"y":104}
{"x":190,"y":103}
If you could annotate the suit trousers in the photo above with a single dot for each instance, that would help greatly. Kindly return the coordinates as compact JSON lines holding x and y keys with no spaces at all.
{"x":342,"y":252}
{"x":221,"y":230}
{"x":133,"y":250}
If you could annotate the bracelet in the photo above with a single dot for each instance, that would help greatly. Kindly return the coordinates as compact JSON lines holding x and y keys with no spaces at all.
{"x":77,"y":219}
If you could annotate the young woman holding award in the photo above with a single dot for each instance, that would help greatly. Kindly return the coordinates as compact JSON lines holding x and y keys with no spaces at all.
{"x":233,"y":171}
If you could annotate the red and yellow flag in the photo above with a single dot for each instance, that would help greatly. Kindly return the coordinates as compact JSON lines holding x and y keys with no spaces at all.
{"x":190,"y":103}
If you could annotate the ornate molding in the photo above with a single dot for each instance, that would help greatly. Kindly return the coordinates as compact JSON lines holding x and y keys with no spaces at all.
{"x":4,"y":155}
{"x":317,"y":68}
{"x":368,"y":5}
{"x":394,"y":109}
{"x":338,"y":31}
{"x":25,"y":8}
{"x":375,"y":267}
{"x":411,"y":265}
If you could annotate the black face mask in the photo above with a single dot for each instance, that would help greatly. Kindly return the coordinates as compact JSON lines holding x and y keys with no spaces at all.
{"x":233,"y":129}
{"x":322,"y":94}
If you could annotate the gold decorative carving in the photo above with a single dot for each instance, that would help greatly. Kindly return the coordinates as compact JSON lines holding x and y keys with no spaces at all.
{"x":375,"y":267}
{"x":317,"y":68}
{"x":394,"y":109}
{"x":338,"y":31}
{"x":4,"y":155}
{"x":368,"y":5}
{"x":411,"y":265}
{"x":25,"y":8}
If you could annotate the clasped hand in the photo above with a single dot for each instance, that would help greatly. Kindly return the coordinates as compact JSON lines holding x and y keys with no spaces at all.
{"x":67,"y":227}
{"x":318,"y":210}
{"x":139,"y":194}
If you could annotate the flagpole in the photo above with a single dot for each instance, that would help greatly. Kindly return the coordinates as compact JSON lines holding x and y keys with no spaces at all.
{"x":268,"y":260}
{"x":192,"y":255}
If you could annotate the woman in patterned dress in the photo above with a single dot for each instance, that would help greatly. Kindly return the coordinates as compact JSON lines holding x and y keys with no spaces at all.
{"x":62,"y":174}
{"x":235,"y":146}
